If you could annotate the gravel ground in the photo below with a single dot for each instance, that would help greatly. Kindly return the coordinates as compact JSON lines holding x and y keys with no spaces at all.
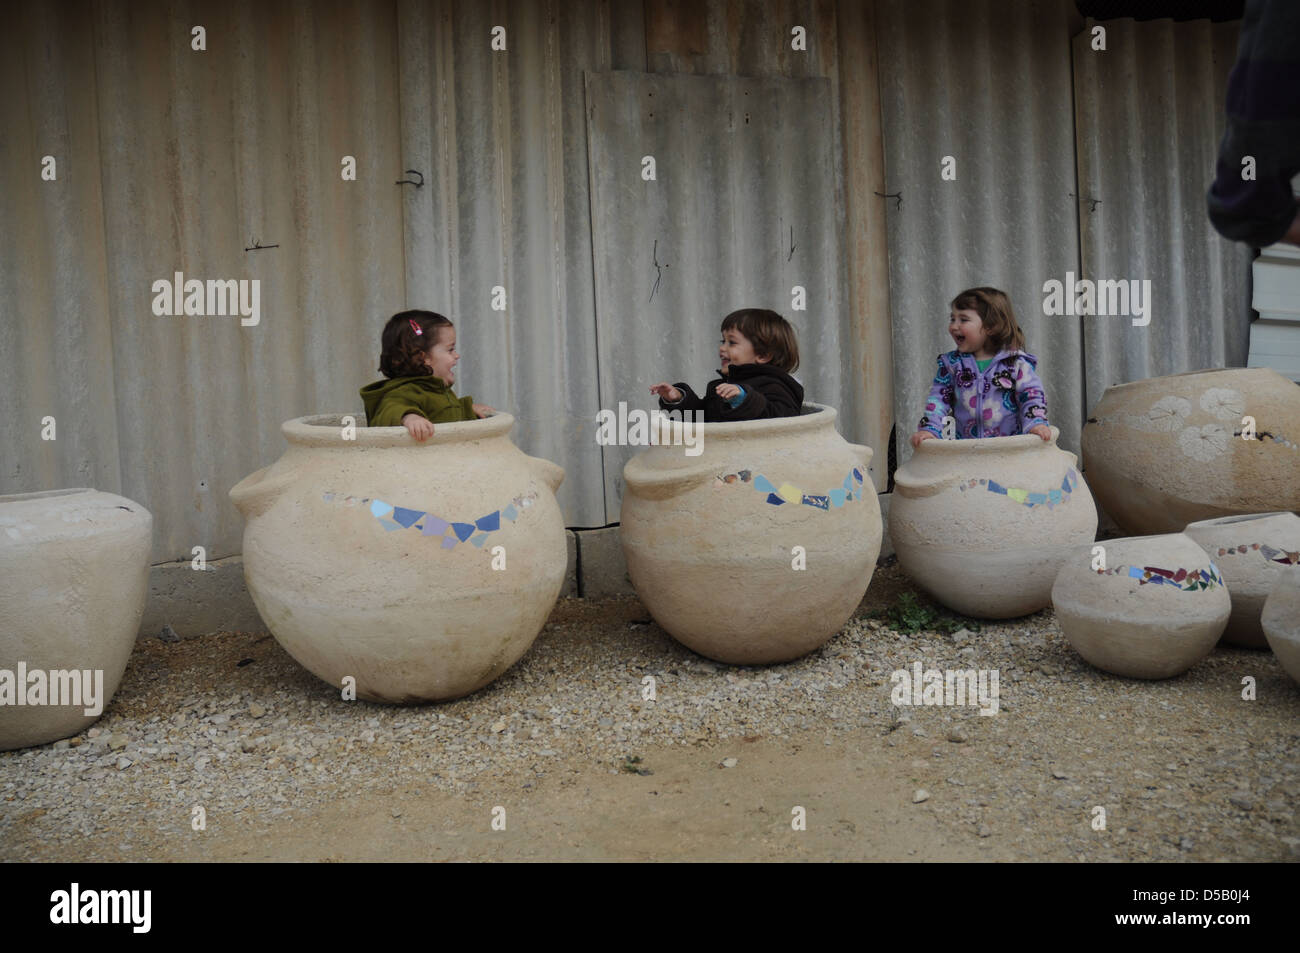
{"x":1185,"y":769}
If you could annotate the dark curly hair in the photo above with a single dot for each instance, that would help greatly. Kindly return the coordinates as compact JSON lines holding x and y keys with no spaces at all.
{"x":404,"y":348}
{"x":771,"y":335}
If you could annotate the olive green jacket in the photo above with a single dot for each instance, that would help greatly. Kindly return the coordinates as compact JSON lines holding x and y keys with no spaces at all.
{"x":389,"y":400}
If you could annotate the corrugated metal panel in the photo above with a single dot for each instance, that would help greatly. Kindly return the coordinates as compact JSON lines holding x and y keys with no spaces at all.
{"x":987,"y":83}
{"x":176,"y":160}
{"x":741,"y":210}
{"x":173,"y":160}
{"x":1150,"y":117}
{"x":500,"y":139}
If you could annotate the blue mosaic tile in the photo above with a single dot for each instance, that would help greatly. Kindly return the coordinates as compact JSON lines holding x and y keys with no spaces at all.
{"x":449,"y":542}
{"x":434,"y":526}
{"x":837,"y":498}
{"x":389,"y":525}
{"x":995,"y":487}
{"x":463,"y":531}
{"x":380,"y":508}
{"x":774,"y":499}
{"x":510,"y":513}
{"x":821,"y":502}
{"x":763,"y":484}
{"x":1054,"y":495}
{"x":479,"y":540}
{"x":1035,"y":498}
{"x":406,"y":518}
{"x":490,"y":523}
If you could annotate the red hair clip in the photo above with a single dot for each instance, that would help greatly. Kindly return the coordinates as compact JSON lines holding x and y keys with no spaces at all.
{"x":415,"y":327}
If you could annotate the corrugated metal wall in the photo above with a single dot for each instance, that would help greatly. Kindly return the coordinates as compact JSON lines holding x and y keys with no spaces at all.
{"x":995,"y":85}
{"x":171,"y":159}
{"x":733,"y":218}
{"x":175,"y":160}
{"x":987,"y":83}
{"x":1150,"y":117}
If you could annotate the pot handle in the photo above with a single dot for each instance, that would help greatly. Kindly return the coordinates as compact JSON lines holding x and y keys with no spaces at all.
{"x":552,"y":474}
{"x":254,"y":494}
{"x":656,"y":484}
{"x":864,"y":453}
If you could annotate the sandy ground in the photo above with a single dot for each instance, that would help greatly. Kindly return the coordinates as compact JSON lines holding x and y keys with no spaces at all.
{"x":722,"y":769}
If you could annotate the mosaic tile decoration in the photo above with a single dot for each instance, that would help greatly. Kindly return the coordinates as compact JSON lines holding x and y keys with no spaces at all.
{"x":1187,"y":580}
{"x":1283,"y":556}
{"x":451,"y":533}
{"x":1025,"y":497}
{"x":850,"y":489}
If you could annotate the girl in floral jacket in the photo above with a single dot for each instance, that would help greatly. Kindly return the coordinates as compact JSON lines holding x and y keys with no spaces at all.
{"x":988,"y":385}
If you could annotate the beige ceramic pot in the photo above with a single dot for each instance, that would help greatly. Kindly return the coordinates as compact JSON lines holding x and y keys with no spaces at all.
{"x":1281,"y":623}
{"x":1142,"y":607}
{"x":1168,"y":451}
{"x":1255,"y":554}
{"x":421,"y":570}
{"x":983,"y":525}
{"x":759,"y":549}
{"x":74,"y":573}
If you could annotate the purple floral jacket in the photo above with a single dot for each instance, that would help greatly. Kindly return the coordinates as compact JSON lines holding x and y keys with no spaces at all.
{"x":1007,"y":399}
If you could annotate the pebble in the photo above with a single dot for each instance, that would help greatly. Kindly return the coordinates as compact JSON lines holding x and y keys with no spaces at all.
{"x":118,"y":742}
{"x":729,"y":762}
{"x":921,"y":795}
{"x":124,"y":763}
{"x":308,"y":748}
{"x":957,"y":736}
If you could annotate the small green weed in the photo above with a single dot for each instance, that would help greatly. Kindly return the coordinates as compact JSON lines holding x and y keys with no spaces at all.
{"x":910,"y":615}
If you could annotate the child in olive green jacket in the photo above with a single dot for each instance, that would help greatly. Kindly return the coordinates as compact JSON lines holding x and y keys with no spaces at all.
{"x":419,"y":360}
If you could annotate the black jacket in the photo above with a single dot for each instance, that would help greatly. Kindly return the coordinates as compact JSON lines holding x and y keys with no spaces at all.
{"x":1263,"y":122}
{"x":769,"y":392}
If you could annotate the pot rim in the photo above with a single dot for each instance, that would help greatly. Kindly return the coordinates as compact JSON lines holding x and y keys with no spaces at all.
{"x":1139,"y":539}
{"x":45,"y":494}
{"x":1239,"y":518}
{"x":812,"y":415}
{"x":325,"y":430}
{"x":1022,"y":441}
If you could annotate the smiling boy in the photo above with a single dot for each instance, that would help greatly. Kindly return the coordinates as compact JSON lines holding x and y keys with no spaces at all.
{"x":757,"y":353}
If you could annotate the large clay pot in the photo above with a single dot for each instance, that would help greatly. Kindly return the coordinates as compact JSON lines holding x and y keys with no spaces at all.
{"x":74,"y":573}
{"x":421,"y":570}
{"x":713,"y":541}
{"x":983,"y":525}
{"x":1144,"y":607}
{"x":1281,"y":623}
{"x":1168,"y":451}
{"x":1255,"y":554}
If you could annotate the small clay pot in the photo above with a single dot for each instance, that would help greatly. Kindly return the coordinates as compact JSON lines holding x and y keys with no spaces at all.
{"x":1255,"y":554}
{"x":760,"y":548}
{"x":984,"y":525}
{"x":422,"y":571}
{"x":1142,"y":607}
{"x":1167,"y":451}
{"x":74,"y":573}
{"x":1280,"y":621}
